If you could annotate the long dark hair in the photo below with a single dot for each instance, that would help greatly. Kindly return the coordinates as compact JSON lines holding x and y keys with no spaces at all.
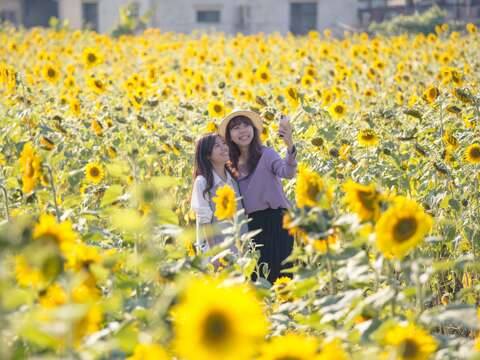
{"x":254,"y":150}
{"x":203,"y":166}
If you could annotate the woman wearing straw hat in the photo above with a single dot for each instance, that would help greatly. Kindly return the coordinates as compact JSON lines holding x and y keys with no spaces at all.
{"x":258,"y":170}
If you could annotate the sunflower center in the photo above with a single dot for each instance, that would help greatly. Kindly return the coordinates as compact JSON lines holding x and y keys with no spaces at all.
{"x":218,"y":108}
{"x":287,"y":357}
{"x":91,"y":58}
{"x":409,"y":349}
{"x":367,"y":199}
{"x":94,"y":172}
{"x":367,"y":136}
{"x":98,"y":84}
{"x":475,"y":153}
{"x":313,"y":190}
{"x":264,"y":76}
{"x":51,"y":73}
{"x":29,"y":170}
{"x":225,"y":202}
{"x":292,"y":93}
{"x":404,"y":229}
{"x":216,"y":328}
{"x":339,"y":109}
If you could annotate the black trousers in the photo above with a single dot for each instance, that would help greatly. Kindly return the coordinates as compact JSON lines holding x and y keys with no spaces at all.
{"x":277,"y":243}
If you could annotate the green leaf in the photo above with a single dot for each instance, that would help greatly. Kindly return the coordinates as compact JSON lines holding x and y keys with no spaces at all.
{"x":111,"y":195}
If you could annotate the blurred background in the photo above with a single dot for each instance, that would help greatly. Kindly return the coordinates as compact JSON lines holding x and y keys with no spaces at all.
{"x":229,"y":16}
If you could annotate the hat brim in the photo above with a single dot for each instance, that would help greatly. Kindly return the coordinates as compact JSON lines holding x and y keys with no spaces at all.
{"x":252,"y":115}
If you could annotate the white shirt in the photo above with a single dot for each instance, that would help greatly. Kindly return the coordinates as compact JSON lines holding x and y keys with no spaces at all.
{"x":203,"y":206}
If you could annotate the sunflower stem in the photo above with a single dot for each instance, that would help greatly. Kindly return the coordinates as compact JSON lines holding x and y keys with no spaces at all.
{"x":332,"y":283}
{"x":394,"y":286}
{"x":5,"y":196}
{"x":54,"y":190}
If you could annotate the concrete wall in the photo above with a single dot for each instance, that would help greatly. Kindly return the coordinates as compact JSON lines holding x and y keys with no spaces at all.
{"x":12,"y":6}
{"x":108,"y":11}
{"x":71,"y":10}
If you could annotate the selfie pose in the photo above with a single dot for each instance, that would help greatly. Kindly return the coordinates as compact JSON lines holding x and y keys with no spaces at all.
{"x":210,"y":173}
{"x":258,"y":170}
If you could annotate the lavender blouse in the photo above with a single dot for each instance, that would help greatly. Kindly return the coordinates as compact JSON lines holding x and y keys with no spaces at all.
{"x":263,"y":189}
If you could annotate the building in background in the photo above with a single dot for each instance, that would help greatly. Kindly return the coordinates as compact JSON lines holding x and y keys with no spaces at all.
{"x":380,"y":10}
{"x":252,"y":16}
{"x":230,"y":16}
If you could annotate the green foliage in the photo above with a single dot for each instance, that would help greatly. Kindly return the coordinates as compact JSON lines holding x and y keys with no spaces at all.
{"x":416,"y":23}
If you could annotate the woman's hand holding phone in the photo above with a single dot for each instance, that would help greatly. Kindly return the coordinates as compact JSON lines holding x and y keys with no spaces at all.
{"x":285,"y":131}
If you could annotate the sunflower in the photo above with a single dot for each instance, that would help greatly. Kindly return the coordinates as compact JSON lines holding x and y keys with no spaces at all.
{"x":75,"y":106}
{"x":472,"y":154}
{"x":431,"y":94}
{"x":112,"y":152}
{"x":148,"y":352}
{"x":211,"y":127}
{"x":450,"y":140}
{"x":471,"y":28}
{"x":290,"y":346}
{"x":31,"y":168}
{"x":96,"y":85}
{"x":338,"y":110}
{"x":332,"y":350}
{"x":364,"y":200}
{"x":46,"y":143}
{"x":309,"y":188}
{"x":307,"y":81}
{"x":69,"y":82}
{"x":88,"y":324}
{"x":25,"y":274}
{"x":225,"y":203}
{"x":367,"y":138}
{"x":48,"y":229}
{"x":410,"y":342}
{"x":80,"y":256}
{"x":91,"y":57}
{"x":216,"y":109}
{"x":281,"y":293}
{"x":291,"y":94}
{"x":327,"y":96}
{"x":94,"y":173}
{"x":263,"y":75}
{"x":53,"y":296}
{"x":213,"y":321}
{"x":50,"y":73}
{"x":97,"y":127}
{"x":402,"y":227}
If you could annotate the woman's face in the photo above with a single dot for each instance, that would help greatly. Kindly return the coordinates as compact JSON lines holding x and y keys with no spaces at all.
{"x":242,"y":134}
{"x":219,"y":151}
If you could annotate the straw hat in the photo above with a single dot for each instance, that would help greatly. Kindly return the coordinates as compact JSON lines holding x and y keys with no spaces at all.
{"x":252,"y":115}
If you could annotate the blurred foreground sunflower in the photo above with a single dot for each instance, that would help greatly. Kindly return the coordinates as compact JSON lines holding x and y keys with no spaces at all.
{"x":213,"y":321}
{"x":410,"y":342}
{"x":364,"y":200}
{"x":290,"y":346}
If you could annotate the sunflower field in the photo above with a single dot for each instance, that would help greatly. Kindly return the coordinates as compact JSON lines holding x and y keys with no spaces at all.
{"x":96,"y":235}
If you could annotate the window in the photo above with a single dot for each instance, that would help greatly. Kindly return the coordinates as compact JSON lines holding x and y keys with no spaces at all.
{"x":303,"y":17}
{"x":90,"y":15}
{"x":208,"y":16}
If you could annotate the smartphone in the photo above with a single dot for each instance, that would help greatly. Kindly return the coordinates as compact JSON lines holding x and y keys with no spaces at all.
{"x":282,"y":121}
